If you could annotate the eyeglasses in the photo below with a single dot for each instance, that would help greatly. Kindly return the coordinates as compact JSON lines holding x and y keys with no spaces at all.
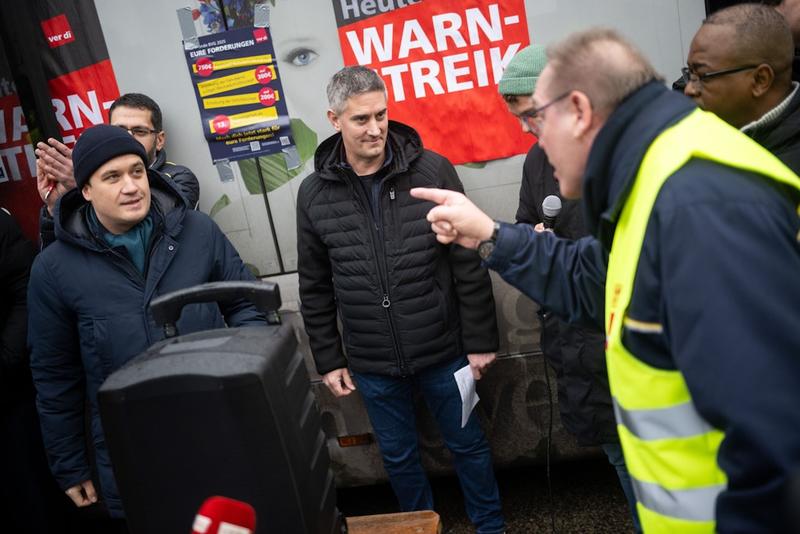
{"x":533,"y":117}
{"x":689,"y":76}
{"x":139,"y":131}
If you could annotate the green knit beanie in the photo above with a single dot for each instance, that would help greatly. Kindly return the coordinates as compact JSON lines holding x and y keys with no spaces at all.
{"x":523,"y":71}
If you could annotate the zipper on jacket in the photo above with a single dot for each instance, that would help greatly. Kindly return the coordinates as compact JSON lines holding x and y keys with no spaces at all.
{"x":383,"y":271}
{"x":387,"y":303}
{"x":153,"y":246}
{"x":128,"y":266}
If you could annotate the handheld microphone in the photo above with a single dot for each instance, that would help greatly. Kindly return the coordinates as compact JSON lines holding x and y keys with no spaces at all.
{"x":551,"y":207}
{"x":221,"y":515}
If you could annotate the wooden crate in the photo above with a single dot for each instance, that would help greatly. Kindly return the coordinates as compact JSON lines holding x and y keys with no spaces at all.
{"x":425,"y":522}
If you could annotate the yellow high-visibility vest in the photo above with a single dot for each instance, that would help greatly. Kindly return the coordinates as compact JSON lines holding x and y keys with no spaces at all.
{"x":670,"y":450}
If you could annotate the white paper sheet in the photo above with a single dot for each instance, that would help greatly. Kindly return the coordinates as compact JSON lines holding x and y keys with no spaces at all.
{"x":469,"y":397}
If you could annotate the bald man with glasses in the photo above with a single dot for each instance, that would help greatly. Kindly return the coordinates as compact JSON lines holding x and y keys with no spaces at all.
{"x":740,"y":68}
{"x":691,"y":271}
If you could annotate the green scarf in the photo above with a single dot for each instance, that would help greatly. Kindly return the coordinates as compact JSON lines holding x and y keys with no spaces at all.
{"x":135,"y":241}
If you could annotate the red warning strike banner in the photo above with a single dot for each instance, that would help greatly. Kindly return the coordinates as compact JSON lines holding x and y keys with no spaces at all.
{"x":441,"y":61}
{"x":64,"y":41}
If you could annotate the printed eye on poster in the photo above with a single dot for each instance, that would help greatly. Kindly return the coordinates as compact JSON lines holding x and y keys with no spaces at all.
{"x":441,"y":61}
{"x":239,"y":93}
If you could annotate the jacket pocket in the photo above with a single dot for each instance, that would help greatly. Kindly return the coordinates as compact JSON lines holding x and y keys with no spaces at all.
{"x":101,"y":345}
{"x":446,"y":303}
{"x":342,"y":324}
{"x":118,"y":339}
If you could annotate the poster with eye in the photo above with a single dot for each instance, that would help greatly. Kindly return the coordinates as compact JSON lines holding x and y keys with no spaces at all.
{"x":441,"y":61}
{"x":238,"y":89}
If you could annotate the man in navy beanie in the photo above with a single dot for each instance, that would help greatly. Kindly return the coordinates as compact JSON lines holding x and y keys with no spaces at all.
{"x":123,"y":236}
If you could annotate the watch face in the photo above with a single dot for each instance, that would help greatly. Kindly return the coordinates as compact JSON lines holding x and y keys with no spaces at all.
{"x":485,"y":249}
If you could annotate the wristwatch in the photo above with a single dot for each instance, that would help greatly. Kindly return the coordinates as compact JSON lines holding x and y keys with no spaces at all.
{"x":485,"y":248}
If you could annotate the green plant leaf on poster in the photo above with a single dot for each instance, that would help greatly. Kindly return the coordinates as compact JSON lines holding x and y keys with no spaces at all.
{"x":273,"y":167}
{"x":218,"y":205}
{"x":250,"y":176}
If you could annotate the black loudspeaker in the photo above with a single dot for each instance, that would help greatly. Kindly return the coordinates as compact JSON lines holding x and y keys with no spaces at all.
{"x":225,"y":412}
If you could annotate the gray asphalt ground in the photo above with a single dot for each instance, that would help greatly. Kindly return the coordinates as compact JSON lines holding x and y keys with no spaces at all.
{"x":586,"y":499}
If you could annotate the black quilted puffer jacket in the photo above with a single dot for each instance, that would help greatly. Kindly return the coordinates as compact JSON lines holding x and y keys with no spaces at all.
{"x":405,"y":301}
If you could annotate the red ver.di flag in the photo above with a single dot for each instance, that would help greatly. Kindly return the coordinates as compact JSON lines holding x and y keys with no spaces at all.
{"x":79,"y":73}
{"x":441,"y":61}
{"x":61,"y":39}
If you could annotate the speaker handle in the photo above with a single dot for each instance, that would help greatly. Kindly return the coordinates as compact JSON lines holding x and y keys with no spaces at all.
{"x":265,"y":296}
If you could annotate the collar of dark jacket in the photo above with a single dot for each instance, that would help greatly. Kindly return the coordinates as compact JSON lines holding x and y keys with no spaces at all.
{"x":619,"y":148}
{"x":782,"y":128}
{"x":136,"y":241}
{"x":161,"y":159}
{"x":387,"y":161}
{"x":404,"y":143}
{"x":70,"y":218}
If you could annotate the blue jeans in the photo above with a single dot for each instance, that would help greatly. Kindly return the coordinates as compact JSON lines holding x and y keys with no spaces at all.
{"x":614,"y":453}
{"x":390,"y":405}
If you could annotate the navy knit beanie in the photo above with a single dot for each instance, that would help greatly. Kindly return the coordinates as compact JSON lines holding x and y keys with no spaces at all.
{"x":99,"y":144}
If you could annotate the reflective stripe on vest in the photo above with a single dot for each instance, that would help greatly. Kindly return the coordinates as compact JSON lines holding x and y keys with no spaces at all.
{"x":691,"y":505}
{"x":670,"y":450}
{"x":679,"y":421}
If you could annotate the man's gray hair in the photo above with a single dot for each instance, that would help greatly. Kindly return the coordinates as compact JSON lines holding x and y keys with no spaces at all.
{"x":352,"y":81}
{"x":601,"y":64}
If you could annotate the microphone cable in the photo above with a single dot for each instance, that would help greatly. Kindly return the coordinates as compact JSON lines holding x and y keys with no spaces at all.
{"x":551,"y":207}
{"x":549,"y":440}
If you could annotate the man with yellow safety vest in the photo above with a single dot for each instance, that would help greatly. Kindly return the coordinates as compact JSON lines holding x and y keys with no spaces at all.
{"x":693,"y":269}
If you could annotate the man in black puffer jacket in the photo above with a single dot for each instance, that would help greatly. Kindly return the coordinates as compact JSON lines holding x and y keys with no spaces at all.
{"x":413,"y":311}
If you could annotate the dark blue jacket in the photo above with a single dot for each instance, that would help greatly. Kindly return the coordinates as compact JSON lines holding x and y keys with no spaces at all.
{"x":88,"y":315}
{"x":183,"y":178}
{"x":718,"y":270}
